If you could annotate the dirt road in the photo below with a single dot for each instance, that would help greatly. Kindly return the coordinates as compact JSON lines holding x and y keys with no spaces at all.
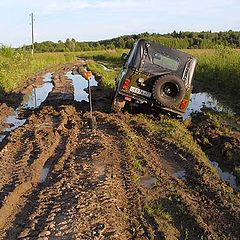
{"x":59,"y":180}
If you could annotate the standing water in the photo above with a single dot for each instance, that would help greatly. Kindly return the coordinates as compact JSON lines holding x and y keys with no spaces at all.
{"x":79,"y":84}
{"x":204,"y":99}
{"x":31,"y":100}
{"x":226,"y":176}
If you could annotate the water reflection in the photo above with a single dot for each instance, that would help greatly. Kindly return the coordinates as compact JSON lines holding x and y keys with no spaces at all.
{"x":31,"y":100}
{"x":204,"y":99}
{"x":79,"y":84}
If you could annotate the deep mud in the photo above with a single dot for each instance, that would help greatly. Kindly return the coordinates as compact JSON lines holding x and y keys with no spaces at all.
{"x":219,"y":136}
{"x":60,"y":180}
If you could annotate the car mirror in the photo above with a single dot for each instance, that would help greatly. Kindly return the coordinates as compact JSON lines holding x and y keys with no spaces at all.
{"x":124,"y":57}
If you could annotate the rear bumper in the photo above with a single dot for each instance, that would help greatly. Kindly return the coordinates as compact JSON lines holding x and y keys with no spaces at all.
{"x":152,"y":103}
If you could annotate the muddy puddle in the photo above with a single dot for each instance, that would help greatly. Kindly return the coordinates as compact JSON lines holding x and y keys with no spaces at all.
{"x":30,"y":101}
{"x":105,"y":68}
{"x":148,"y":181}
{"x":197,"y":102}
{"x":181,"y":174}
{"x":204,"y":99}
{"x":38,"y":94}
{"x":44,"y":174}
{"x":79,"y":84}
{"x":226,"y":176}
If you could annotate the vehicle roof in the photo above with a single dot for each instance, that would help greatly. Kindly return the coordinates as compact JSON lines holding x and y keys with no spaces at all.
{"x":144,"y":51}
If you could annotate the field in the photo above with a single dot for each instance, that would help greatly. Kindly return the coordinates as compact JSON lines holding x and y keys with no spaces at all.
{"x":137,"y":176}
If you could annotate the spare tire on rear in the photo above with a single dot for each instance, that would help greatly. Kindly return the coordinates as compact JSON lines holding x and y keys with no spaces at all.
{"x":169,"y":90}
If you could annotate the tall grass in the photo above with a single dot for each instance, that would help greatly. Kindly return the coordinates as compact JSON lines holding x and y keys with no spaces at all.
{"x":218,"y":70}
{"x":17,"y":66}
{"x":110,"y":56}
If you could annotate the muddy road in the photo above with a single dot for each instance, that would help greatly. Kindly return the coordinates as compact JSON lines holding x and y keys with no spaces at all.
{"x":124,"y":180}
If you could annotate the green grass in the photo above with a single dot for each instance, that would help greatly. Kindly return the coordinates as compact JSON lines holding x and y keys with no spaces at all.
{"x":112,"y":57}
{"x":107,"y":76}
{"x":161,"y":212}
{"x":171,"y":131}
{"x":219,"y":70}
{"x":17,"y":66}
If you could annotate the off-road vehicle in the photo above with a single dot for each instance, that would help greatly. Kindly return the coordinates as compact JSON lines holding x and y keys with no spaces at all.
{"x":156,"y":75}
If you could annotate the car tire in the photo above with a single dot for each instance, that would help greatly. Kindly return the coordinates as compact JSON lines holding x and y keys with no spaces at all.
{"x":169,"y":90}
{"x":118,"y":104}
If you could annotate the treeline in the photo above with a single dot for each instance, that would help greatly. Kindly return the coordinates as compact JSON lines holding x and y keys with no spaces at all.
{"x":179,"y":40}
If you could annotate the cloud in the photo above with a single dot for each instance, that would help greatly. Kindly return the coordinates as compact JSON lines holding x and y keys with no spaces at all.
{"x":176,"y":6}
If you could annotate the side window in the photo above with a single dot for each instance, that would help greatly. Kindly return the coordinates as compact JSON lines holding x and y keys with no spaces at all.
{"x":165,"y":61}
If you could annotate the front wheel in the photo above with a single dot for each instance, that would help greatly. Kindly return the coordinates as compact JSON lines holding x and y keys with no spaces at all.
{"x":118,"y":104}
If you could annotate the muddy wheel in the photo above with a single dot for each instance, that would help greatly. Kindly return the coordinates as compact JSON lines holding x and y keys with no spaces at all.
{"x":169,"y":90}
{"x":118,"y":104}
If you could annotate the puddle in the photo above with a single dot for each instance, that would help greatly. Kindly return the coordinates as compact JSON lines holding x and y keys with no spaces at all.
{"x":44,"y":174}
{"x":79,"y":84}
{"x":31,"y":100}
{"x":39,"y":94}
{"x":180,"y":174}
{"x":105,"y":68}
{"x":226,"y":176}
{"x":148,"y":181}
{"x":204,"y":99}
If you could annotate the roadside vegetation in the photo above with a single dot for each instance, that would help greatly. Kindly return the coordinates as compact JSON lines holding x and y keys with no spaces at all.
{"x":218,"y":72}
{"x":17,"y":66}
{"x":107,"y":76}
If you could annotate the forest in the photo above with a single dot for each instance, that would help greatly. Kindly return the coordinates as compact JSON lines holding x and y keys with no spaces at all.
{"x":179,"y":40}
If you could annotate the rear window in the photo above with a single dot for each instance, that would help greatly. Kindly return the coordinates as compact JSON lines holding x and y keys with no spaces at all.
{"x":165,"y":61}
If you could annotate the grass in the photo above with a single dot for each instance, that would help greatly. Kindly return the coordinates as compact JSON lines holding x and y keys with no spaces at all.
{"x":107,"y":76}
{"x":157,"y":210}
{"x":137,"y":164}
{"x":161,"y":212}
{"x":172,"y":131}
{"x":219,"y":70}
{"x":17,"y":66}
{"x":112,"y":57}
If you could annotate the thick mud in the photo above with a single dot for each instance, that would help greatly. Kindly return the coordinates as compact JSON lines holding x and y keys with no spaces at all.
{"x":60,"y":180}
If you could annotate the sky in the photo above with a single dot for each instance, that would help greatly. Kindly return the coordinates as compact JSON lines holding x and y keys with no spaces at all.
{"x":91,"y":20}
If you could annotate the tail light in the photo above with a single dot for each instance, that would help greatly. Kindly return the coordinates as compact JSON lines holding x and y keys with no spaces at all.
{"x":183,"y":104}
{"x":126,"y":84}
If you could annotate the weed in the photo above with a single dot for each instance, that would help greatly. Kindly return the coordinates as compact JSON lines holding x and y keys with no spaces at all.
{"x":186,"y":237}
{"x":148,"y":210}
{"x":162,"y":213}
{"x":137,"y":164}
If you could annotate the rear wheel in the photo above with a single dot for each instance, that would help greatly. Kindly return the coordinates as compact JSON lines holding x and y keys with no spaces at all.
{"x":118,"y":104}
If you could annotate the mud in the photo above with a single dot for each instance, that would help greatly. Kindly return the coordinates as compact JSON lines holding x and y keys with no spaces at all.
{"x":60,"y":180}
{"x":219,"y":136}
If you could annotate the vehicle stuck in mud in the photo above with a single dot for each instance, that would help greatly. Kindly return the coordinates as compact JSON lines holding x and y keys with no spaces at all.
{"x":156,"y":75}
